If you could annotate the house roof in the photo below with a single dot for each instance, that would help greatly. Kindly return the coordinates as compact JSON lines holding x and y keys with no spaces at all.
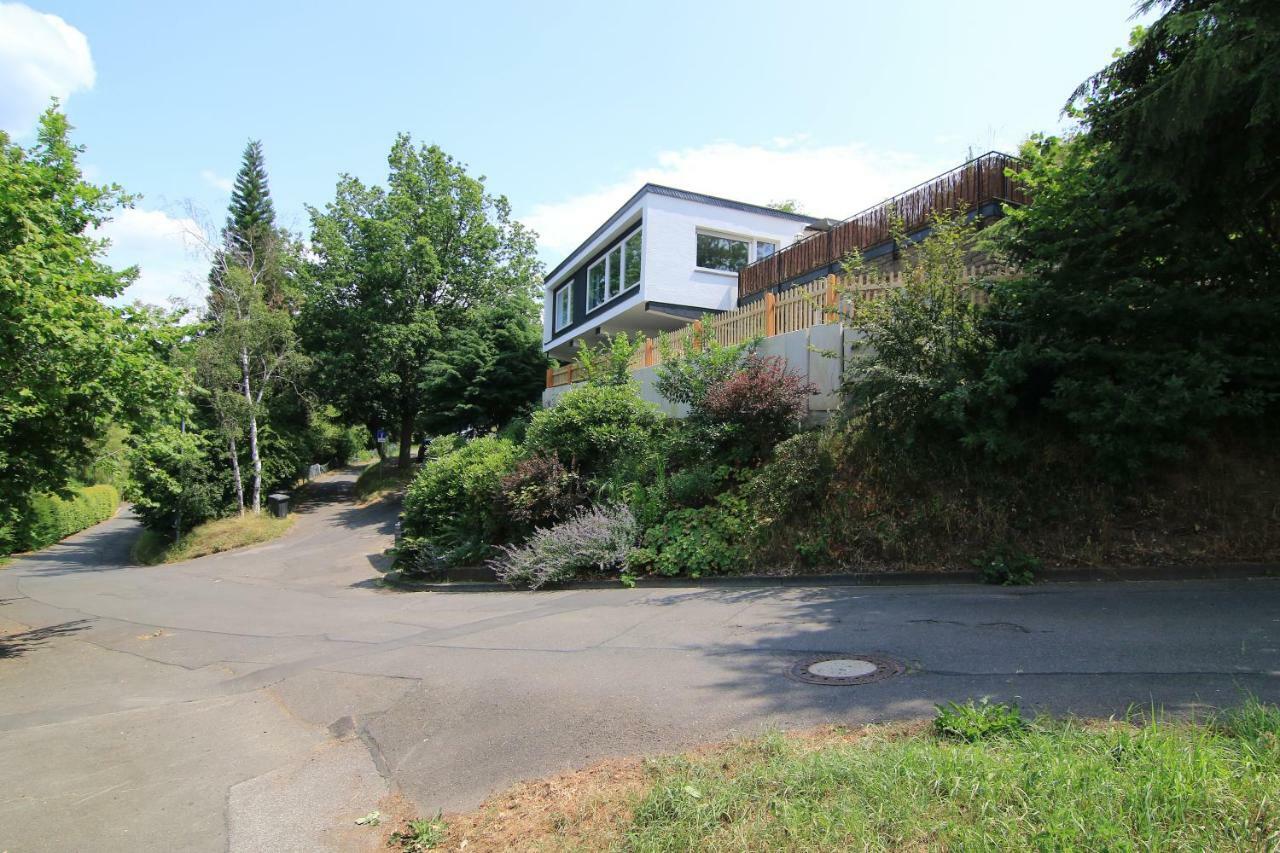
{"x":686,"y":195}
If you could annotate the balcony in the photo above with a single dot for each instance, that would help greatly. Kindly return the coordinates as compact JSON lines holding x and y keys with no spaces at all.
{"x":980,"y":185}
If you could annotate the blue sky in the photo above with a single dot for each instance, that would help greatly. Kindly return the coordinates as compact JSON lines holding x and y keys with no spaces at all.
{"x":566,"y":107}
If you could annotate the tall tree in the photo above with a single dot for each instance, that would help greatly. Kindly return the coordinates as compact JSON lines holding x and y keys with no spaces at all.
{"x":248,"y":348}
{"x":69,"y":364}
{"x":247,"y":352}
{"x":1151,"y":253}
{"x":401,"y":269}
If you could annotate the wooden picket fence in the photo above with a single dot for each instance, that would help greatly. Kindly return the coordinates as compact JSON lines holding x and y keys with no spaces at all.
{"x":830,"y":299}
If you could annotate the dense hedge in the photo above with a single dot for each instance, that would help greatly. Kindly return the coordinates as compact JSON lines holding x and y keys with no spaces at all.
{"x":50,"y":518}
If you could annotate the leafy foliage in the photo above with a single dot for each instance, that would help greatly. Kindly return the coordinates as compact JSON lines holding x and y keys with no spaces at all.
{"x":50,"y":518}
{"x":1151,"y":254}
{"x":175,"y":486}
{"x":489,"y":369}
{"x":710,"y":540}
{"x":420,"y":835}
{"x":763,"y":400}
{"x":974,"y":722}
{"x":450,"y":507}
{"x":609,"y":363}
{"x":594,"y":426}
{"x":1193,"y":109}
{"x":595,"y":539}
{"x":795,"y":479}
{"x":541,"y":491}
{"x":404,"y":277}
{"x":919,"y":344}
{"x":686,"y":374}
{"x":70,"y":366}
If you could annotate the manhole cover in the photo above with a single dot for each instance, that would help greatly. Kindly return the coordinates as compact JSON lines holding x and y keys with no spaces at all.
{"x":837,"y":669}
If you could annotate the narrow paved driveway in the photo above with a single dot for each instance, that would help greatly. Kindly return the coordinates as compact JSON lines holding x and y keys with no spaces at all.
{"x":264,"y":699}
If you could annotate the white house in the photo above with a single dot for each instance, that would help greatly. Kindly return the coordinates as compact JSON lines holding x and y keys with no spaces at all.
{"x":664,"y":258}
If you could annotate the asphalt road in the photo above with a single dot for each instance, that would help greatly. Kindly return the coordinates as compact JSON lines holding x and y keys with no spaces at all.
{"x":265,"y":699}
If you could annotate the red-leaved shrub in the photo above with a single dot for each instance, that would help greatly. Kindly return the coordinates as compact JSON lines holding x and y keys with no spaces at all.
{"x":763,"y":398}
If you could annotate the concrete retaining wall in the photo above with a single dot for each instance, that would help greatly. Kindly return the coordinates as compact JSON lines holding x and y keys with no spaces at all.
{"x":818,"y":353}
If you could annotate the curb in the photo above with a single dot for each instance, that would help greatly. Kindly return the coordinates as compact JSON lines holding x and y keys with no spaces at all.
{"x":1121,"y":574}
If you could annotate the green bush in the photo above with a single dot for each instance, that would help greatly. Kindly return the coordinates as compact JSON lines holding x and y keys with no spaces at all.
{"x":51,"y":518}
{"x":687,"y":375}
{"x":795,"y":479}
{"x":539,"y":492}
{"x":450,"y":508}
{"x":922,"y":344}
{"x":711,"y":540}
{"x":595,"y":427}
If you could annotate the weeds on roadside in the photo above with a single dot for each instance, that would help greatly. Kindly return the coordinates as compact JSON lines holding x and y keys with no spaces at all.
{"x":1007,"y":568}
{"x":973,"y":722}
{"x":419,"y":835}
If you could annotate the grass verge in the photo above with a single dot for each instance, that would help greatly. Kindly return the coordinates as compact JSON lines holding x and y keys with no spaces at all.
{"x":381,"y":479}
{"x":211,"y":537}
{"x":971,"y":781}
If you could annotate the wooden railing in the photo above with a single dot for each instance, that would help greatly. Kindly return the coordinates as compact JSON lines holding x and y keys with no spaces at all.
{"x":971,"y":186}
{"x":830,"y":299}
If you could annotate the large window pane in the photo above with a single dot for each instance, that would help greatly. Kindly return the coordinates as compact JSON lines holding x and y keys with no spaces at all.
{"x":615,"y":272}
{"x":721,"y":253}
{"x":631,"y":273}
{"x":595,"y":285}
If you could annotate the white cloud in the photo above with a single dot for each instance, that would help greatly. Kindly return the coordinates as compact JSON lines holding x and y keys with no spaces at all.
{"x":216,"y":181}
{"x":167,"y":250}
{"x":827,"y":180}
{"x":41,"y":56}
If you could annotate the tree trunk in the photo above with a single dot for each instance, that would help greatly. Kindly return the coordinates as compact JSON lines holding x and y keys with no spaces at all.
{"x":235,"y":470}
{"x":406,"y":440}
{"x":253,"y":433}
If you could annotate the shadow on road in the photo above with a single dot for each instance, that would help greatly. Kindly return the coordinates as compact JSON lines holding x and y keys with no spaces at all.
{"x":16,"y":645}
{"x":105,"y":547}
{"x":1043,"y":650}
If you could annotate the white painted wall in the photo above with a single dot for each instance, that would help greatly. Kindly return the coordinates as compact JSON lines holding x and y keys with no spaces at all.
{"x":669,"y":271}
{"x":670,"y":261}
{"x":820,"y":354}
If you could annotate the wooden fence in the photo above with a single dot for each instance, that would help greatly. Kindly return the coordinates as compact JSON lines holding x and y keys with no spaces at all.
{"x":976,"y":183}
{"x":831,"y":299}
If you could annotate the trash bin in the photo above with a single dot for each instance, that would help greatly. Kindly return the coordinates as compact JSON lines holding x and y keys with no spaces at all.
{"x":278,"y":504}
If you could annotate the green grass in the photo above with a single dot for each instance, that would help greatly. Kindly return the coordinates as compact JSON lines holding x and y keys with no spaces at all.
{"x":979,"y":778}
{"x":212,"y":537}
{"x":379,"y":480}
{"x":1053,"y":786}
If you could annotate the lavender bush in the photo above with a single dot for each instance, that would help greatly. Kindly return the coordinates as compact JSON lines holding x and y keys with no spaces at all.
{"x":595,"y":539}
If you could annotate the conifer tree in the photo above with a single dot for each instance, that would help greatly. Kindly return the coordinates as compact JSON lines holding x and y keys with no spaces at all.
{"x":252,"y":217}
